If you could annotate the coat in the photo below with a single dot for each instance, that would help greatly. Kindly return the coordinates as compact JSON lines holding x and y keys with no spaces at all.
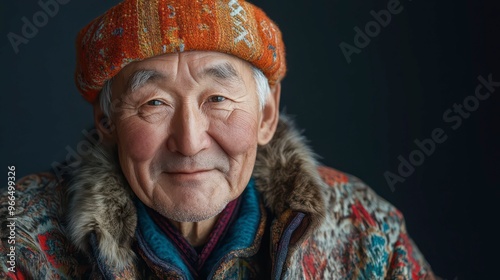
{"x":300,"y":221}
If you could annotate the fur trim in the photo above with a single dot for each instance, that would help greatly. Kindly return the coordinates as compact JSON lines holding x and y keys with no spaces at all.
{"x":100,"y":199}
{"x":286,"y":174}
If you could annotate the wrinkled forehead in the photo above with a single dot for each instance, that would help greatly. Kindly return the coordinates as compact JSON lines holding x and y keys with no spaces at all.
{"x":199,"y":65}
{"x":194,"y":60}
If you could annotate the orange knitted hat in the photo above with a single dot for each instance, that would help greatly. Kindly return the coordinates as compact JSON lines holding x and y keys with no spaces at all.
{"x":138,"y":29}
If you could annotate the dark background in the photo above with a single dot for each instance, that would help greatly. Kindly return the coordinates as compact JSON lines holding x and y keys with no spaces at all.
{"x":358,"y":116}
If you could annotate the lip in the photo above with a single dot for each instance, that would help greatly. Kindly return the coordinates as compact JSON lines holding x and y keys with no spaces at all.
{"x":189,"y":175}
{"x":188,"y":172}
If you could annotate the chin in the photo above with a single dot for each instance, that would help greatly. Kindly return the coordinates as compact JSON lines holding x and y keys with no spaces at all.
{"x":191,"y":200}
{"x":189,"y":211}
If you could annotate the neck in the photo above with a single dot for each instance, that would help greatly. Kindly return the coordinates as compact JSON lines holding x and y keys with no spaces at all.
{"x":196,"y":233}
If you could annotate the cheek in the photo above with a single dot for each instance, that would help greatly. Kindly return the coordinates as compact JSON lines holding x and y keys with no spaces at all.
{"x":237,"y":135}
{"x":138,"y":141}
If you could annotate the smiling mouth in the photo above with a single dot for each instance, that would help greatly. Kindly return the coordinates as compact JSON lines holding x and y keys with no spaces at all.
{"x":187,"y":172}
{"x":184,"y":176}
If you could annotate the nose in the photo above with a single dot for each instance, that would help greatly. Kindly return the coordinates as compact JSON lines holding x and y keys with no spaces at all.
{"x":188,"y":130}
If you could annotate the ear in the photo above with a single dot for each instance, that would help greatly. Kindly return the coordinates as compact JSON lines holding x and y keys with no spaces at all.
{"x":104,"y":125}
{"x":270,"y":115}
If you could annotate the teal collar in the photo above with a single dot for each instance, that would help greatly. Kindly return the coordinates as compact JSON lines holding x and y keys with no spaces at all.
{"x":241,"y":234}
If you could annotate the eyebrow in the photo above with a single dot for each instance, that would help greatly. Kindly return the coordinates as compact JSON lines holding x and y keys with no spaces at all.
{"x":223,"y":71}
{"x":141,"y":77}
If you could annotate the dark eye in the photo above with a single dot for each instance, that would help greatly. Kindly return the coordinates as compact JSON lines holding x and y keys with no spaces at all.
{"x":155,"y":102}
{"x":216,"y":98}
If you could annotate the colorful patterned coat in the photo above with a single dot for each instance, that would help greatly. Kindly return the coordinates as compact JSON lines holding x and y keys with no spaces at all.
{"x":297,"y":220}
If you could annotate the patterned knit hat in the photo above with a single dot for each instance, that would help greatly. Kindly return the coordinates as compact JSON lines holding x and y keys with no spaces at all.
{"x":138,"y":29}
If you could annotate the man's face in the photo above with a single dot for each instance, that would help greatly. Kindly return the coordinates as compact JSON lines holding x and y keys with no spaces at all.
{"x":187,"y":128}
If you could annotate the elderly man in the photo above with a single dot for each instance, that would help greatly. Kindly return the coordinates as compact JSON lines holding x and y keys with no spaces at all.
{"x":198,"y":176}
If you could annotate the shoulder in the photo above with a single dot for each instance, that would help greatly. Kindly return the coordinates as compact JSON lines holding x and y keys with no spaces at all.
{"x":362,"y":235}
{"x":33,"y":200}
{"x":34,"y":208}
{"x":348,"y":196}
{"x":35,"y":182}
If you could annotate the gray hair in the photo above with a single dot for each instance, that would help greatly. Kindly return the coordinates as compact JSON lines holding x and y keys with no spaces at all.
{"x":261,"y":83}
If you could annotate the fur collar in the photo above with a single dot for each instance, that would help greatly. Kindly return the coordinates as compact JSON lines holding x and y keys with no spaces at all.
{"x":100,"y":199}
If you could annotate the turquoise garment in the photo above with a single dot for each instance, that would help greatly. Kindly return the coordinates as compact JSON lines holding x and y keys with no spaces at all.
{"x":240,"y":235}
